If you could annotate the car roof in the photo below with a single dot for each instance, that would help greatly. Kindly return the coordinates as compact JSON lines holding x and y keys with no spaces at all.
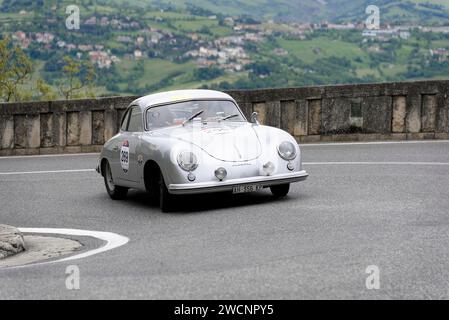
{"x":179,"y":95}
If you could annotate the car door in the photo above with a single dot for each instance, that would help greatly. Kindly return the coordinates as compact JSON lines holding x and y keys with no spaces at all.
{"x":116,"y":148}
{"x":135,"y":130}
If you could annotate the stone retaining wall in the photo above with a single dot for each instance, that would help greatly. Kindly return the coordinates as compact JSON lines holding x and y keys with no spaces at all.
{"x":400,"y":111}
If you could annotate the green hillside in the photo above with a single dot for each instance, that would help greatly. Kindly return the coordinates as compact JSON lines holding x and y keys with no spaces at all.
{"x":410,"y":11}
{"x":137,"y":47}
{"x":416,"y":12}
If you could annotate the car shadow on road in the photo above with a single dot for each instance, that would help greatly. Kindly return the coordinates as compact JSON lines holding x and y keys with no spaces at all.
{"x":212,"y":201}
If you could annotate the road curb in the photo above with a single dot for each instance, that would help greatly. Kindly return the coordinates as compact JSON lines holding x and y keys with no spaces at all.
{"x":11,"y":241}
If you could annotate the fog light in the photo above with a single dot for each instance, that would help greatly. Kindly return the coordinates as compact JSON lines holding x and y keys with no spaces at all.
{"x":221,"y":174}
{"x":191,"y":177}
{"x":290,"y":166}
{"x":268,"y":168}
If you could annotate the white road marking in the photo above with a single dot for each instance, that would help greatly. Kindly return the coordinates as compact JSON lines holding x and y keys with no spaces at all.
{"x":50,"y":155}
{"x":305,"y":163}
{"x":377,"y":163}
{"x":112,"y":240}
{"x":370,"y":143}
{"x":41,"y":172}
{"x":301,"y":144}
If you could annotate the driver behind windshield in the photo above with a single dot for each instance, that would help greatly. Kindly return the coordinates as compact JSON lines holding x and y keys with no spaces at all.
{"x":182,"y":112}
{"x":160,"y":118}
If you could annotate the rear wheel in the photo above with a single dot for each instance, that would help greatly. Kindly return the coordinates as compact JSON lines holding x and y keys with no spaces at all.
{"x":166,"y":202}
{"x":281,"y":190}
{"x":114,"y":191}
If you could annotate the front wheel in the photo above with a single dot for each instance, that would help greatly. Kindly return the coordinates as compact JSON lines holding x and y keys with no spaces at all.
{"x":114,"y":191}
{"x":281,"y":190}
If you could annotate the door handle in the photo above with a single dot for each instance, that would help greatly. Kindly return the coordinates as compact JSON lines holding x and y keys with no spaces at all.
{"x":115,"y":148}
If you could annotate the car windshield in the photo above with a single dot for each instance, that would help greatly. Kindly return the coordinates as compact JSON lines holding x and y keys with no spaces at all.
{"x":181,"y":112}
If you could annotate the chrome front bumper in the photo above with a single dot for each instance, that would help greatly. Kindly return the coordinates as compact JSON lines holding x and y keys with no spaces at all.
{"x":227,"y":185}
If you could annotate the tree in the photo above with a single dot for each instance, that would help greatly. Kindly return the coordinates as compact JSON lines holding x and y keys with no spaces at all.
{"x":78,"y":75}
{"x":15,"y":69}
{"x":46,"y":92}
{"x":261,"y":68}
{"x":207,"y":73}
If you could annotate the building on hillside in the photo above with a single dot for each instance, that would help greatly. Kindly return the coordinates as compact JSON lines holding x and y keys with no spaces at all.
{"x":21,"y":38}
{"x":124,"y":39}
{"x":229,"y":21}
{"x":44,"y":38}
{"x":101,"y":59}
{"x":104,"y":21}
{"x":348,"y":26}
{"x":280,"y":52}
{"x":138,"y":54}
{"x":85,"y":47}
{"x":386,"y":34}
{"x":92,"y":21}
{"x":440,"y":53}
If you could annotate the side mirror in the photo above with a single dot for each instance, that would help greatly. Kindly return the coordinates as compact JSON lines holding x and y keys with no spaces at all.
{"x":254,"y":118}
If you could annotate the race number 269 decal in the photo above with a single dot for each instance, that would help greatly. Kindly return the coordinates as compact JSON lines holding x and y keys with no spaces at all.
{"x":124,"y":156}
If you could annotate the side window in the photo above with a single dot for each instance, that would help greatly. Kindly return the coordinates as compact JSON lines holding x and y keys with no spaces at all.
{"x":125,"y":120}
{"x":135,"y":121}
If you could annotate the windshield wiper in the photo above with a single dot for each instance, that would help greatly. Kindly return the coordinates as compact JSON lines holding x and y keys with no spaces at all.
{"x":193,"y":117}
{"x":229,"y":117}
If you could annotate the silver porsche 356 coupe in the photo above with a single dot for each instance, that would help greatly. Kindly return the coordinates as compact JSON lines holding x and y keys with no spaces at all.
{"x":196,"y":141}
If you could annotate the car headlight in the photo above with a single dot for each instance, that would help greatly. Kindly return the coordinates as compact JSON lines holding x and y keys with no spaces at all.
{"x":287,"y":150}
{"x":187,"y":161}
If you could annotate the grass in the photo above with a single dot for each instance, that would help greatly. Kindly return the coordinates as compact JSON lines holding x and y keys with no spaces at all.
{"x":169,"y":15}
{"x":180,"y":74}
{"x":363,"y":72}
{"x":194,"y":25}
{"x":161,"y":26}
{"x":14,"y":17}
{"x":391,"y":70}
{"x":181,"y":83}
{"x":440,"y":44}
{"x":221,"y":31}
{"x":311,"y":50}
{"x":444,"y":3}
{"x":155,"y":70}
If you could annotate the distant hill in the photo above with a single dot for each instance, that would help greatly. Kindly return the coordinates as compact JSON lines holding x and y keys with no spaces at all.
{"x":142,"y":46}
{"x":409,"y":11}
{"x":423,"y":12}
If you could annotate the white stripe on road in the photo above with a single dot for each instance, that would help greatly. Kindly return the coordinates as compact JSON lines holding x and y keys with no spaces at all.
{"x":50,"y":155}
{"x":302,"y":145}
{"x":41,"y":172}
{"x":378,"y":163}
{"x":305,"y":163}
{"x":370,"y":142}
{"x":112,"y":240}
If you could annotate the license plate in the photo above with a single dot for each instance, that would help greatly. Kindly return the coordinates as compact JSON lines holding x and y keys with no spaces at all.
{"x":246,"y":188}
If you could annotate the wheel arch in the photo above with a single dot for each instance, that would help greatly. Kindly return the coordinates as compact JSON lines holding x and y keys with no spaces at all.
{"x":151,"y":169}
{"x":102,"y":164}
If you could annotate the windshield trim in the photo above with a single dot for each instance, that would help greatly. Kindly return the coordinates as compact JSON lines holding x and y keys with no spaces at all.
{"x":186,"y":100}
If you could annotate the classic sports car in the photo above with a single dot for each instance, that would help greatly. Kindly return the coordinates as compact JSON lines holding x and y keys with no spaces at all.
{"x":196,"y":141}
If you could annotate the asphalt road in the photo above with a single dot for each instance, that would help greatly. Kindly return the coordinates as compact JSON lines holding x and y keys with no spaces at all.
{"x":364,"y":204}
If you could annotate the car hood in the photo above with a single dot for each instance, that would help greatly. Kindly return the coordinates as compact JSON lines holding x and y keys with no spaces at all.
{"x":226,"y":141}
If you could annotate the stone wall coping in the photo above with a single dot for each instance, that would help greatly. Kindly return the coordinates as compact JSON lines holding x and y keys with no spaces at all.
{"x":243,"y":96}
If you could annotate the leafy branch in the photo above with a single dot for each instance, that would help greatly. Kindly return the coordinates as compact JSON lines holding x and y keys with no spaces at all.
{"x":78,"y":75}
